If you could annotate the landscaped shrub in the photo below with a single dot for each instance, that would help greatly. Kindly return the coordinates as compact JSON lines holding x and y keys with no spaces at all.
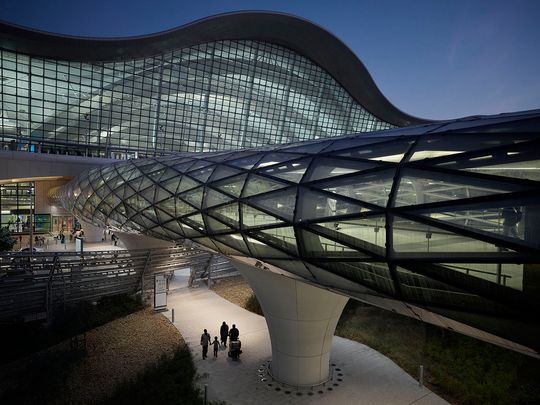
{"x":170,"y":381}
{"x":20,"y":339}
{"x":461,"y":369}
{"x":474,"y":371}
{"x":253,"y":305}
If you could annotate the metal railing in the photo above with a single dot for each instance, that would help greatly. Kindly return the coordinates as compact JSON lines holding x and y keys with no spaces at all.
{"x":34,"y":286}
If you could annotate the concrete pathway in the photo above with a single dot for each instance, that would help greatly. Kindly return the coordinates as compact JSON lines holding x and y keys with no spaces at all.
{"x":361,"y":375}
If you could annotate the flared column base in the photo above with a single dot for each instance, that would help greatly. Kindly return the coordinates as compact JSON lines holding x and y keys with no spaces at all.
{"x":301,"y":319}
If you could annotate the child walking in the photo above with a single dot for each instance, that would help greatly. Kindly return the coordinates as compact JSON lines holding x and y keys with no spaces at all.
{"x":215,"y":343}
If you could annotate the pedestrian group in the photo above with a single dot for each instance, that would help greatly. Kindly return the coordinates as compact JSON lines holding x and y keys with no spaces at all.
{"x":225,"y":333}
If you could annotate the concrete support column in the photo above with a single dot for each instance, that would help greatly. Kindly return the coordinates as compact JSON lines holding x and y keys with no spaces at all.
{"x":92,"y":233}
{"x":301,"y":320}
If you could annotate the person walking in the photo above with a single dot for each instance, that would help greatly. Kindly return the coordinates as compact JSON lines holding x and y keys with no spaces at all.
{"x":205,"y":341}
{"x":234,"y":333}
{"x":224,"y":332}
{"x":511,"y":218}
{"x":215,"y":343}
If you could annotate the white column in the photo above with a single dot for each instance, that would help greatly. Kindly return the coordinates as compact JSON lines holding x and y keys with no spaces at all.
{"x":301,"y":320}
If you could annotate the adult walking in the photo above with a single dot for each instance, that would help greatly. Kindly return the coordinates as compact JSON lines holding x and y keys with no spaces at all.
{"x":234,"y":333}
{"x":224,"y":332}
{"x":205,"y":341}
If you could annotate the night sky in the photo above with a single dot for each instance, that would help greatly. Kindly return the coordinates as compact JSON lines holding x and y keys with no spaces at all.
{"x":432,"y":59}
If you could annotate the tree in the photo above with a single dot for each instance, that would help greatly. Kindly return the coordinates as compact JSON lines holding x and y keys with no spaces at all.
{"x":6,"y":241}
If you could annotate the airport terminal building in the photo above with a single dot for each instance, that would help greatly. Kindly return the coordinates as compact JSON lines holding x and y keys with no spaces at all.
{"x":262,"y":137}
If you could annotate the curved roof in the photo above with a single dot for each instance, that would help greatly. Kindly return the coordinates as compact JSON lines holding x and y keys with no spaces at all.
{"x":295,"y":33}
{"x":416,"y":215}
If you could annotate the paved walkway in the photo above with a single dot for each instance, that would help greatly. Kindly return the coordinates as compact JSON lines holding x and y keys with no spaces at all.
{"x":361,"y":375}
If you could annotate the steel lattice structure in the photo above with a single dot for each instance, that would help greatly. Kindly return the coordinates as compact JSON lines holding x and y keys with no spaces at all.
{"x":416,"y":215}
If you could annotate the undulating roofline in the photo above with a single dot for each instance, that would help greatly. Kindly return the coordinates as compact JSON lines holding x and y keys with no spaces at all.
{"x":295,"y":33}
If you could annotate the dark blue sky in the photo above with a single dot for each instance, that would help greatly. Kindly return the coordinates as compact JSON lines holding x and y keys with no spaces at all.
{"x":431,"y":58}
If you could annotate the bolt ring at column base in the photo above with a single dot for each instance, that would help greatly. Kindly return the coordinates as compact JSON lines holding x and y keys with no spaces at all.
{"x":268,"y":366}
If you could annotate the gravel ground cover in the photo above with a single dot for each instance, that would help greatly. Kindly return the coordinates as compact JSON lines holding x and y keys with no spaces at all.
{"x":233,"y":289}
{"x":116,"y":352}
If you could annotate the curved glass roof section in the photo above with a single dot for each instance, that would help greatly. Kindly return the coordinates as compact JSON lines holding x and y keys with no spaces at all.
{"x":444,"y":216}
{"x":213,"y":96}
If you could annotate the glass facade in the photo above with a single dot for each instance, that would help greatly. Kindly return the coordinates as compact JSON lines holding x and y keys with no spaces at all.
{"x":404,"y":213}
{"x":224,"y":95}
{"x":16,"y":202}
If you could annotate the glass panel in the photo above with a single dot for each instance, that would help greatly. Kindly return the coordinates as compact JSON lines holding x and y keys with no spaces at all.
{"x":159,"y":233}
{"x":421,"y":187}
{"x":136,"y":183}
{"x":258,"y":185}
{"x":367,"y":231}
{"x":168,"y":174}
{"x":411,"y":236}
{"x":260,"y":249}
{"x":228,"y":214}
{"x":127,"y":190}
{"x":196,"y":221}
{"x":205,"y":242}
{"x":438,"y":146}
{"x":143,"y":221}
{"x":202,"y":174}
{"x":199,"y":164}
{"x":149,"y":193}
{"x":252,"y":217}
{"x":216,"y":226}
{"x":275,"y":158}
{"x":189,"y":231}
{"x":183,"y":167}
{"x":162,"y":215}
{"x":226,"y":249}
{"x":194,"y":196}
{"x":235,"y":241}
{"x":283,"y":238}
{"x":133,"y":174}
{"x":186,"y":184}
{"x":325,"y":167}
{"x":175,"y":227}
{"x":372,"y":188}
{"x":387,"y":152}
{"x":507,"y":274}
{"x":418,"y":288}
{"x":214,"y":197}
{"x":151,"y":213}
{"x":315,"y":205}
{"x":352,"y":142}
{"x":319,"y":246}
{"x":161,"y":194}
{"x":137,"y":203}
{"x":103,"y":191}
{"x":233,"y":186}
{"x":517,"y":221}
{"x":308,"y":147}
{"x":373,"y":275}
{"x":281,"y":203}
{"x":246,"y":162}
{"x":145,"y":182}
{"x":223,"y":171}
{"x":182,"y":208}
{"x":529,"y":170}
{"x":292,"y":171}
{"x":167,"y":205}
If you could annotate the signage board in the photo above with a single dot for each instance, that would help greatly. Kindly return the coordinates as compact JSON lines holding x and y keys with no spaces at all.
{"x":160,"y":291}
